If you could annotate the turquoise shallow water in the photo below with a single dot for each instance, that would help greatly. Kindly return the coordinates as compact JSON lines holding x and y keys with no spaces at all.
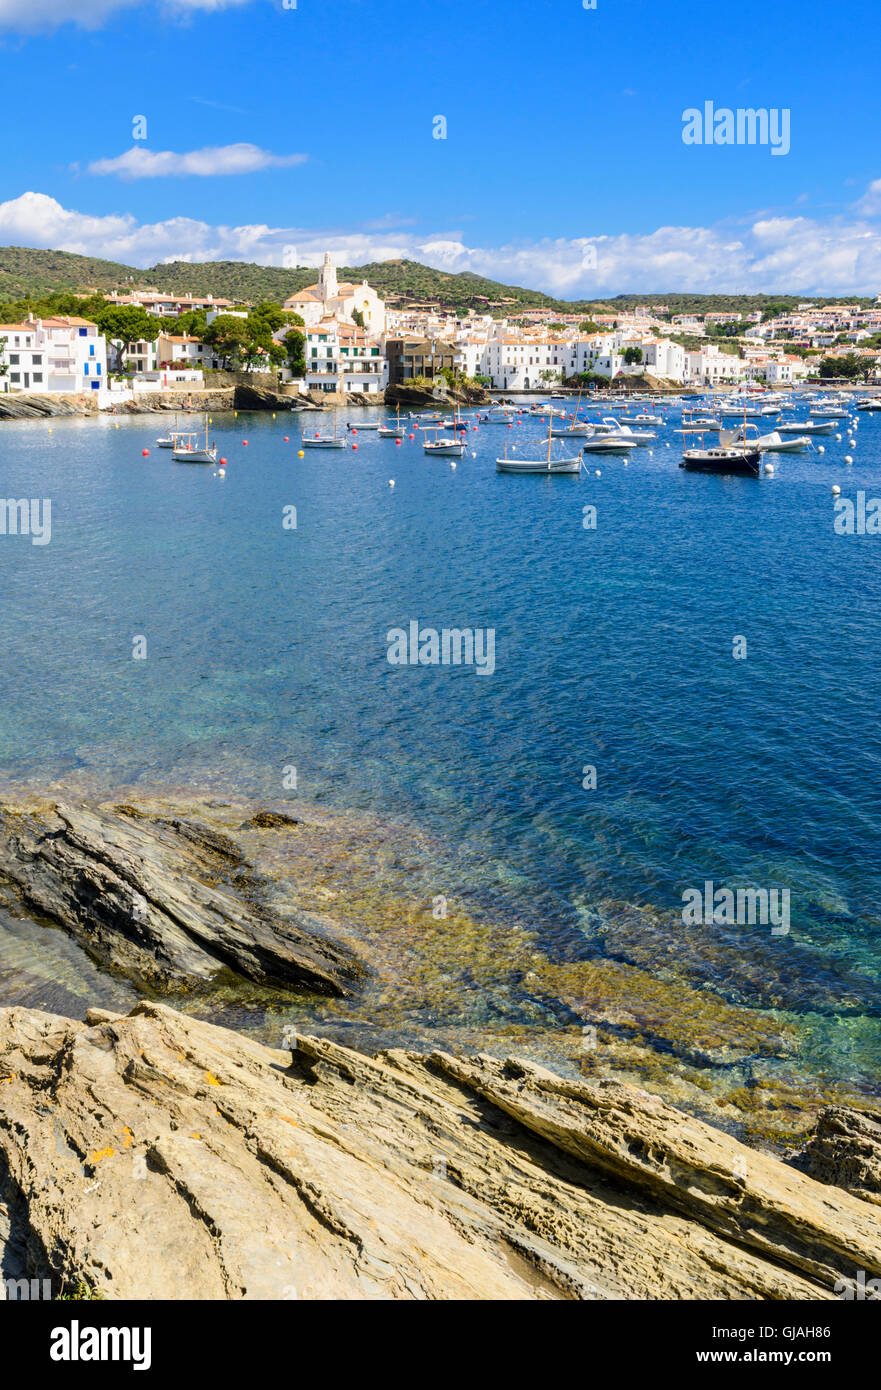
{"x":267,"y":648}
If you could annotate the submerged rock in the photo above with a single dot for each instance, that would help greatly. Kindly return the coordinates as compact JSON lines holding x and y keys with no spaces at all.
{"x":154,"y":1156}
{"x":165,"y":901}
{"x":845,"y":1150}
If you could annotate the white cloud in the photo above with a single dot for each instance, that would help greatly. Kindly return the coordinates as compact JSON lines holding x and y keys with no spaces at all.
{"x":839,"y":256}
{"x":40,"y":16}
{"x":141,"y":163}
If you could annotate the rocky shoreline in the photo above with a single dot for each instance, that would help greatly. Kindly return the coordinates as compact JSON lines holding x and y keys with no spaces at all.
{"x":257,"y":1165}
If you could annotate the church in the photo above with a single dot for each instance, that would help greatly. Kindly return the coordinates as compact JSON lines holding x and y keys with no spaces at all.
{"x":327,"y":299}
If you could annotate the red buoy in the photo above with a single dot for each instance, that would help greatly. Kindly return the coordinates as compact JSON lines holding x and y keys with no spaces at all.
{"x":145,"y":453}
{"x":398,"y":442}
{"x":245,"y":443}
{"x":354,"y":446}
{"x":354,"y":431}
{"x":287,"y":439}
{"x":223,"y":463}
{"x":409,"y":436}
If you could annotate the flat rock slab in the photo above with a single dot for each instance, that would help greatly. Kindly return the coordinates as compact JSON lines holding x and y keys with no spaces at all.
{"x":163,"y":900}
{"x":155,"y":1156}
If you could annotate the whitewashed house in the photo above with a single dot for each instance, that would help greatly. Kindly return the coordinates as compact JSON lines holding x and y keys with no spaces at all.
{"x":60,"y":354}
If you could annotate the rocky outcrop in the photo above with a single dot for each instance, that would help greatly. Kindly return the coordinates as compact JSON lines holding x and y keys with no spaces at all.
{"x":261,"y":398}
{"x":165,"y":901}
{"x":154,"y":1156}
{"x":845,"y":1150}
{"x":25,"y":406}
{"x":156,"y":402}
{"x":424,"y":395}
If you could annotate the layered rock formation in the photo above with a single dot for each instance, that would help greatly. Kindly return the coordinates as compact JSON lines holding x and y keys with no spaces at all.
{"x":163,"y":900}
{"x":154,"y":1156}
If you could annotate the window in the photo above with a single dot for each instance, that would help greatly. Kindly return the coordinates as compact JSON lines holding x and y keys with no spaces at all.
{"x":38,"y":359}
{"x":83,"y":332}
{"x":86,"y":369}
{"x":15,"y":376}
{"x":14,"y":359}
{"x":38,"y":376}
{"x":91,"y":349}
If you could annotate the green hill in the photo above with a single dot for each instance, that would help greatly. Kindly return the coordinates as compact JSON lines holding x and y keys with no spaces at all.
{"x":35,"y":273}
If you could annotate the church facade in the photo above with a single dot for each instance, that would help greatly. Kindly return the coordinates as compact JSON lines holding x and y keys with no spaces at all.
{"x":328,"y":299}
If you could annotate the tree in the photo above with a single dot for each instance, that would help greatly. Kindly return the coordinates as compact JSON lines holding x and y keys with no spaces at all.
{"x":588,"y":326}
{"x":850,"y":366}
{"x":295,"y":346}
{"x":122,"y":324}
{"x":230,"y":337}
{"x":358,"y":318}
{"x":632,"y":355}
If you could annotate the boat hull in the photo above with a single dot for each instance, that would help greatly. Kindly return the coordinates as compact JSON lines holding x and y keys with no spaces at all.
{"x":322,"y":444}
{"x":572,"y":465}
{"x":744,"y":462}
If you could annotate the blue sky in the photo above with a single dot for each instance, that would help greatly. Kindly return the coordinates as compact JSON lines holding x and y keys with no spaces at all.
{"x":563,"y":130}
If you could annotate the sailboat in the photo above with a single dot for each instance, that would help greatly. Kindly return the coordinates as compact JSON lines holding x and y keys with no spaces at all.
{"x":187,"y":447}
{"x":324,"y":441}
{"x":570,"y":464}
{"x":395,"y":431}
{"x":167,"y":440}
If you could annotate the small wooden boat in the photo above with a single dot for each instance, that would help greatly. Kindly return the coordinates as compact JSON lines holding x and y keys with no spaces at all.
{"x":324,"y":441}
{"x":189,"y":447}
{"x":569,"y":464}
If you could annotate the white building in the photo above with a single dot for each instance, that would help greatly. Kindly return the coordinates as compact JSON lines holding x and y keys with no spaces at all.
{"x":341,"y":357}
{"x":54,"y":355}
{"x":327,"y":299}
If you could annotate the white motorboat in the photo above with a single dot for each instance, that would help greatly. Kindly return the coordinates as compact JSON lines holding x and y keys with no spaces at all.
{"x":363,"y":425}
{"x":873,"y":404}
{"x":643,"y":419}
{"x":774,"y":443}
{"x":807,"y":427}
{"x":829,"y":412}
{"x":612,"y":443}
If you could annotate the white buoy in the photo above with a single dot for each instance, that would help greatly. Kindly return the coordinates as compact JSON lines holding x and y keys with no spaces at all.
{"x":221,"y":472}
{"x":835,"y":489}
{"x":452,"y":463}
{"x":391,"y":482}
{"x":838,"y":437}
{"x":848,"y":458}
{"x":769,"y":469}
{"x":821,"y":448}
{"x":598,"y":474}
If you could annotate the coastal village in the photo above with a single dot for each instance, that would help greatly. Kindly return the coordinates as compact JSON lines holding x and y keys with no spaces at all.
{"x":351,"y":342}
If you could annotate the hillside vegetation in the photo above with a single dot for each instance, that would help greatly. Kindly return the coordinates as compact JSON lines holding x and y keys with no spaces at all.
{"x":28,"y":273}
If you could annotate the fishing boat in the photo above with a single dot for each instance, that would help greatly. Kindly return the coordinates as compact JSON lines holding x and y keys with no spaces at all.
{"x":568,"y":464}
{"x":363,"y":425}
{"x":500,"y":413}
{"x":448,"y":447}
{"x":395,"y":431}
{"x":167,"y":440}
{"x":324,"y":441}
{"x":728,"y":456}
{"x":189,"y":447}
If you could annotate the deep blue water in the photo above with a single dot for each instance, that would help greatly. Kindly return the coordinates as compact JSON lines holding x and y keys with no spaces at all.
{"x":267,"y":647}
